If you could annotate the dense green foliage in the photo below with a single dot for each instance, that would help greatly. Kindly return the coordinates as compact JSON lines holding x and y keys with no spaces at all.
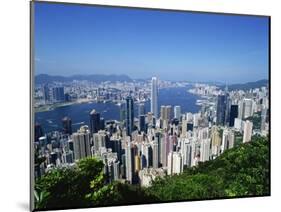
{"x":83,"y":186}
{"x":240,"y":171}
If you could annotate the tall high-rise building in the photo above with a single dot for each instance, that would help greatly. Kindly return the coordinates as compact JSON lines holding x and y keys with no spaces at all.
{"x":248,"y":127}
{"x":58,"y":94}
{"x":141,"y":109}
{"x":215,"y":141}
{"x":154,"y":97}
{"x":81,"y":143}
{"x":38,"y":131}
{"x":142,"y":123}
{"x":247,"y":108}
{"x":175,"y":165}
{"x":227,"y":140}
{"x":264,"y":118}
{"x":177,"y":112}
{"x":94,"y":121}
{"x":155,"y":154}
{"x":100,"y":140}
{"x":221,"y":109}
{"x":67,"y":125}
{"x":46,"y":93}
{"x":129,"y":115}
{"x":233,"y":114}
{"x":205,"y":150}
{"x":166,"y":112}
{"x":186,"y":150}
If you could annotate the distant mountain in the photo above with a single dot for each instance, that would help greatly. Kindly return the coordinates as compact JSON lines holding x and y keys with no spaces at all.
{"x":45,"y":78}
{"x":247,"y":86}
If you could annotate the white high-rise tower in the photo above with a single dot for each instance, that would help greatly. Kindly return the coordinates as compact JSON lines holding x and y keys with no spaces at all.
{"x":154,"y":97}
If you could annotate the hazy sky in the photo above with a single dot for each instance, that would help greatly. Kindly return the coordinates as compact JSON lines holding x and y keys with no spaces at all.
{"x":73,"y":39}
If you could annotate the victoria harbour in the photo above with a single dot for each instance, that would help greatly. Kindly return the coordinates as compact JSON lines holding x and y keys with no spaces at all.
{"x":79,"y":113}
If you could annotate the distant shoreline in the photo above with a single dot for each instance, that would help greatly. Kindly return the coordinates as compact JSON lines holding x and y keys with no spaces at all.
{"x":45,"y":108}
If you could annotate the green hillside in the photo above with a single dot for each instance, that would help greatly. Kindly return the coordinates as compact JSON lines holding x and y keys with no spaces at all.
{"x":240,"y":171}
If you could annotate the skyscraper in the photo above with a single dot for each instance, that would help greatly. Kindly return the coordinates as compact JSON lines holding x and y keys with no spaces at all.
{"x":177,"y":112}
{"x":248,"y":127}
{"x":94,"y":121}
{"x":233,"y":114}
{"x":155,"y":154}
{"x":58,"y":94}
{"x":38,"y":131}
{"x":46,"y":93}
{"x":67,"y":125}
{"x":129,"y":115}
{"x":154,"y":97}
{"x":175,"y":165}
{"x":247,"y":108}
{"x":221,"y":109}
{"x":227,"y":140}
{"x":141,"y":109}
{"x":142,"y":123}
{"x":81,"y":143}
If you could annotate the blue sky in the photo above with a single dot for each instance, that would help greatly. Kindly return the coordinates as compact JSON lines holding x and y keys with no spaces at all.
{"x":76,"y":39}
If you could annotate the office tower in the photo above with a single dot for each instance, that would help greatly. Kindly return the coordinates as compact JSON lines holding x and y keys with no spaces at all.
{"x":137,"y":163}
{"x":248,"y":127}
{"x":186,"y":151}
{"x":155,"y":154}
{"x":163,"y":151}
{"x":113,"y":169}
{"x":177,"y":112}
{"x":170,"y":163}
{"x":233,"y":114}
{"x":141,"y":109}
{"x":205,"y":150}
{"x":68,"y":157}
{"x":184,"y":127}
{"x":122,"y":112}
{"x":166,"y":112}
{"x":174,"y":163}
{"x":58,"y":94}
{"x":147,"y":152}
{"x":196,"y":118}
{"x":240,"y":109}
{"x":94,"y":121}
{"x":130,"y":152}
{"x":102,"y":124}
{"x":67,"y":125}
{"x":227,"y":140}
{"x":142,"y":123}
{"x":100,"y":139}
{"x":247,"y":108}
{"x":215,"y":141}
{"x":115,"y":145}
{"x":264,"y":118}
{"x":81,"y":143}
{"x":46,"y":93}
{"x":221,"y":109}
{"x":129,"y":115}
{"x":111,"y":166}
{"x":154,"y":97}
{"x":238,"y":124}
{"x":143,"y":162}
{"x":38,"y":132}
{"x":189,"y":127}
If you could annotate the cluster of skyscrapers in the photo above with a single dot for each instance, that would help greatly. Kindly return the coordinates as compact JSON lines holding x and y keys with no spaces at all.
{"x":159,"y":142}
